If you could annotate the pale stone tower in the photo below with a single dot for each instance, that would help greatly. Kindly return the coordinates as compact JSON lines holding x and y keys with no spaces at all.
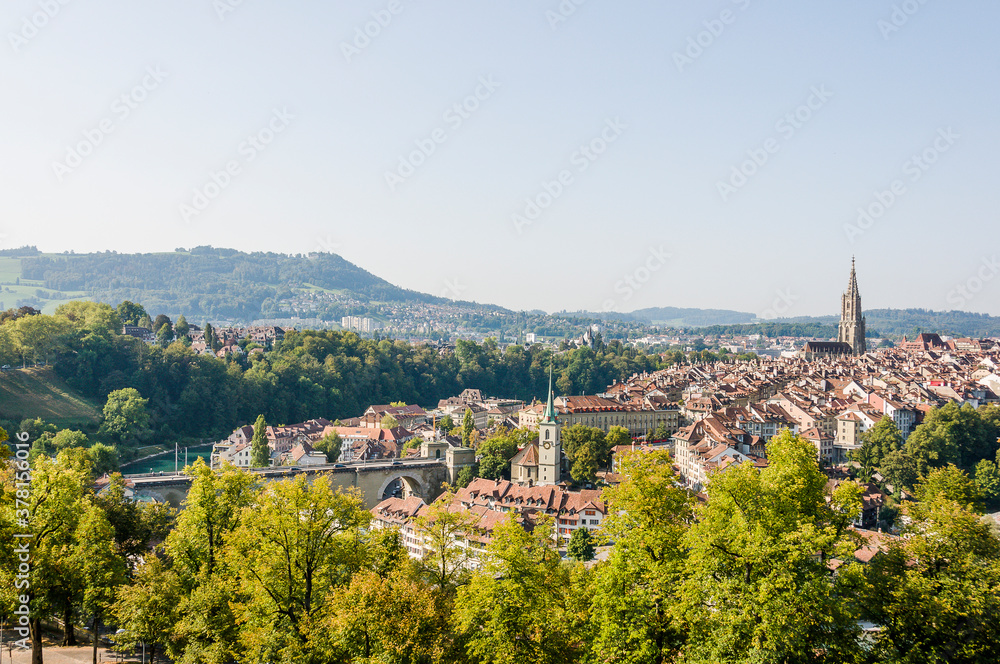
{"x":852,"y":322}
{"x":549,"y":444}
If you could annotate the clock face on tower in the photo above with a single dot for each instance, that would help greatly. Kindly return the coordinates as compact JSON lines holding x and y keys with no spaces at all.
{"x":547,"y":445}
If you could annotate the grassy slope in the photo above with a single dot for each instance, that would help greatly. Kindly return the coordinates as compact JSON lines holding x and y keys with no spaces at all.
{"x":10,"y":292}
{"x":38,"y":392}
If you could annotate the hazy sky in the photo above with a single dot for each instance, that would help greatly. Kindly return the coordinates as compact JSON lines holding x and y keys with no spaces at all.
{"x":713,"y":154}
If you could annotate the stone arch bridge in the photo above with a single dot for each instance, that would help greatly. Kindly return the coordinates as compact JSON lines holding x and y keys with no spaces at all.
{"x":376,"y":479}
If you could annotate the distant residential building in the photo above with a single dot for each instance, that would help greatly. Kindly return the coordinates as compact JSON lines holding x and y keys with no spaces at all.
{"x":359,"y":324}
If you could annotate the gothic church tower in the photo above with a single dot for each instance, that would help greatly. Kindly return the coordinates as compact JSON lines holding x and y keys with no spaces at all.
{"x":852,"y":322}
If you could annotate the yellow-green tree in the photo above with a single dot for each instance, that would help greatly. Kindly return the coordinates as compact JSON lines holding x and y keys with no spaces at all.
{"x":758,"y":586}
{"x":637,"y":592}
{"x":515,"y":609}
{"x":296,"y":542}
{"x":935,"y":594}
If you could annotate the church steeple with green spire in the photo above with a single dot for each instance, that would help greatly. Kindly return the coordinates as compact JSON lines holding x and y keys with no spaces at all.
{"x":549,"y":414}
{"x":549,"y":443}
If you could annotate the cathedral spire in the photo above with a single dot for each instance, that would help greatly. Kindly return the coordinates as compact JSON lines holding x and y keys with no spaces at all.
{"x":852,"y":285}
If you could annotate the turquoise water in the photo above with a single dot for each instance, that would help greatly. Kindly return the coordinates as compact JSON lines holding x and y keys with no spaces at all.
{"x":165,"y":463}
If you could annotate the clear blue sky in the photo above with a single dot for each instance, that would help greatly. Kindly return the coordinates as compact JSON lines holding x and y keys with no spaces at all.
{"x":681,"y":120}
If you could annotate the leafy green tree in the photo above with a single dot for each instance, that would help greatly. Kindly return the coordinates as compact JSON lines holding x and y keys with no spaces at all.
{"x":616,"y":436}
{"x":581,"y":545}
{"x":868,"y":458}
{"x":302,"y":540}
{"x":885,"y":437}
{"x":66,"y":438}
{"x":446,"y":424}
{"x":389,"y":422}
{"x":949,"y":483}
{"x":515,"y":610}
{"x":181,"y":327}
{"x":379,"y":618}
{"x":102,"y":569}
{"x":445,"y":562}
{"x":160,"y":321}
{"x":204,"y":626}
{"x":662,"y":432}
{"x":637,"y":592}
{"x":36,"y":428}
{"x":164,"y":335}
{"x":988,"y":480}
{"x":260,"y":452}
{"x":933,"y":593}
{"x":93,"y":317}
{"x":130,"y":313}
{"x":103,"y":459}
{"x":330,"y":445}
{"x":758,"y":588}
{"x":495,"y":453}
{"x":900,"y":470}
{"x":126,"y":418}
{"x":146,"y":322}
{"x":952,"y":434}
{"x":587,"y":450}
{"x":137,"y":525}
{"x":468,"y":426}
{"x":465,"y":477}
{"x":56,"y":504}
{"x":146,"y":610}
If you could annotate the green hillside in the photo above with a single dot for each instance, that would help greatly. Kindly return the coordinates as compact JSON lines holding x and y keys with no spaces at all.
{"x":203,"y":282}
{"x":39,"y":392}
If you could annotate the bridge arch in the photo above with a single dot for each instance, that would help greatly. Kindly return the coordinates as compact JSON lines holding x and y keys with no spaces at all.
{"x":410,"y":484}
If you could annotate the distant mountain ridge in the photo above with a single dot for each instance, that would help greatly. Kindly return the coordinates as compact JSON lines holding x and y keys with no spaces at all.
{"x":208,"y":281}
{"x":226,"y":284}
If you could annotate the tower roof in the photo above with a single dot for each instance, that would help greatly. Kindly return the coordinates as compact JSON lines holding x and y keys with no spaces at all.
{"x":549,"y":414}
{"x":852,"y":285}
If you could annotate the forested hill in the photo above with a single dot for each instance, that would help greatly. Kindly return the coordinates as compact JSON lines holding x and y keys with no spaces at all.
{"x":894,"y":322}
{"x":209,"y":282}
{"x":914,"y":321}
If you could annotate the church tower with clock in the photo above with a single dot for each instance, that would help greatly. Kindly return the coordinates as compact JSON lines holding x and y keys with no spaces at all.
{"x":549,"y":445}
